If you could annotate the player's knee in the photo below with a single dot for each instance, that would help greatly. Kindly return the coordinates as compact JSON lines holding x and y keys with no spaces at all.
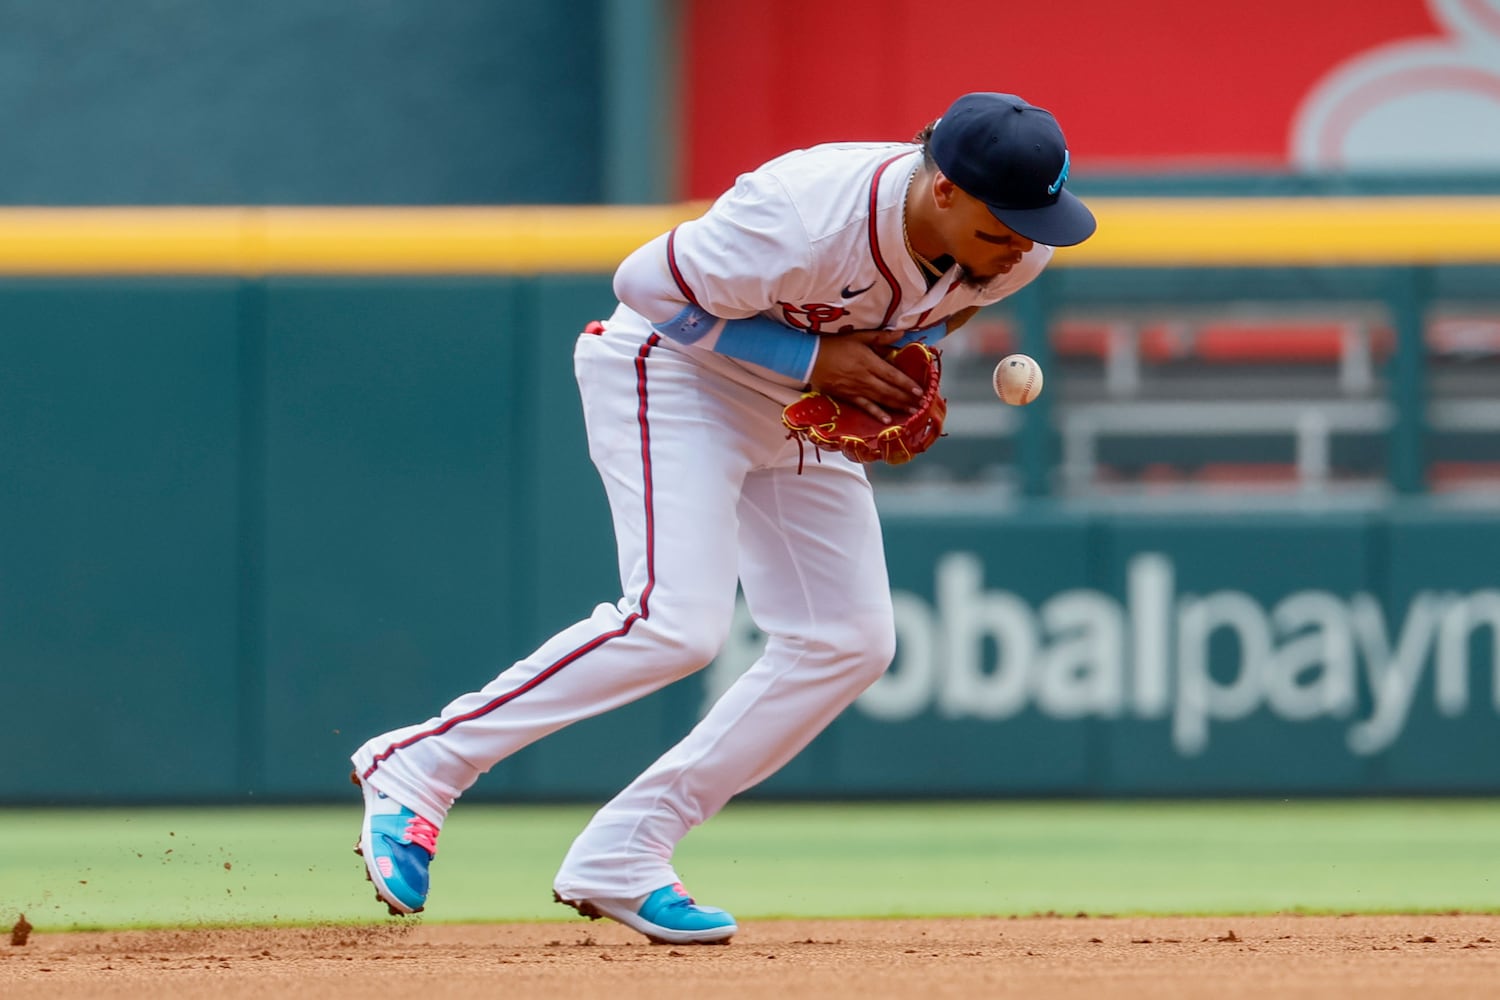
{"x":688,"y":637}
{"x":865,"y":643}
{"x":879,"y":647}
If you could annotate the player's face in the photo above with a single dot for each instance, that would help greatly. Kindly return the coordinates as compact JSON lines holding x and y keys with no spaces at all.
{"x":980,"y":243}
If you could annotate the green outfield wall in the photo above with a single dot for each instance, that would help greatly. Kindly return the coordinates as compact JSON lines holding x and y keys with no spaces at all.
{"x":312,"y":102}
{"x":246,"y":523}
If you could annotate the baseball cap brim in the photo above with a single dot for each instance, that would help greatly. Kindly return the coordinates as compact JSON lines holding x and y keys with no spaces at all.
{"x":1064,"y":223}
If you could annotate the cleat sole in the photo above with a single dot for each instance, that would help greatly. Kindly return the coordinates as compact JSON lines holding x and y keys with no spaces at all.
{"x":584,"y":908}
{"x":587,"y":909}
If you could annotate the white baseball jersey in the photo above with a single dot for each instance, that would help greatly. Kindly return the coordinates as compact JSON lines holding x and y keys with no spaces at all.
{"x":682,"y":392}
{"x":813,"y":240}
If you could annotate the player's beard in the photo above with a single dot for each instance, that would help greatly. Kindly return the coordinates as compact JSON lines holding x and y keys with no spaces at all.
{"x":969,"y":279}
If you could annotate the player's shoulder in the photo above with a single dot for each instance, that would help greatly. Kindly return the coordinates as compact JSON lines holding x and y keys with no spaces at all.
{"x":832,"y":160}
{"x":827,"y":187}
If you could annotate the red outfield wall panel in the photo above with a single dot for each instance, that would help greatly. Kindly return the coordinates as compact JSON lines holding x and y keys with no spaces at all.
{"x":1150,"y":84}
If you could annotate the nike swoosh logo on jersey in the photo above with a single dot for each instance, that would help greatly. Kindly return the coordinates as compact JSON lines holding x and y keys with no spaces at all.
{"x":847,"y":293}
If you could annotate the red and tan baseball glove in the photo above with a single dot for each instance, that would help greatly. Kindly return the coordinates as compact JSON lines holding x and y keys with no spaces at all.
{"x":832,"y":425}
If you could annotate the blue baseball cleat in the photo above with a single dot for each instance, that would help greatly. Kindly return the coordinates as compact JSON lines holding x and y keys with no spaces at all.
{"x":667,"y":916}
{"x":398,"y":846}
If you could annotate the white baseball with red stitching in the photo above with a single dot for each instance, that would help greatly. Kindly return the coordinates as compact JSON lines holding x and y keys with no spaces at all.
{"x":1018,"y":379}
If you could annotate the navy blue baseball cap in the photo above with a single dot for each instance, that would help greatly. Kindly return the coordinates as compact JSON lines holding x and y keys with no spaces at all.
{"x":1012,"y":156}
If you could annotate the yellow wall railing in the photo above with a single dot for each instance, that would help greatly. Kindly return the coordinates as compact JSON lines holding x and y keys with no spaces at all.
{"x":1133,"y":232}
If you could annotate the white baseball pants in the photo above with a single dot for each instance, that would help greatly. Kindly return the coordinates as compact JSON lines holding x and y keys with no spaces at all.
{"x":705,"y":493}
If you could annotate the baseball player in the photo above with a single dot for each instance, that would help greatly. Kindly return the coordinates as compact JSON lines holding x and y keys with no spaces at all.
{"x":799,"y":277}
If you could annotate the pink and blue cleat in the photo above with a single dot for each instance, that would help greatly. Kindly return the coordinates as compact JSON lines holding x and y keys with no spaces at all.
{"x":667,"y":916}
{"x":398,"y":846}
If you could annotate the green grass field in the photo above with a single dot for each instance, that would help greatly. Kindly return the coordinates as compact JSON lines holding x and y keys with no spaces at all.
{"x":78,"y":868}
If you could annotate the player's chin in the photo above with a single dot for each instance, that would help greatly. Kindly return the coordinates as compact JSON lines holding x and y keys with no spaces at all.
{"x":978,"y":280}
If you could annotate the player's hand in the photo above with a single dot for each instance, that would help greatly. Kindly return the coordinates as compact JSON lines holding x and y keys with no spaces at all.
{"x":849,"y":368}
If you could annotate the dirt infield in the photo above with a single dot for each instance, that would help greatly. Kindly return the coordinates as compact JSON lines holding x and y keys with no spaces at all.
{"x":1222,"y":957}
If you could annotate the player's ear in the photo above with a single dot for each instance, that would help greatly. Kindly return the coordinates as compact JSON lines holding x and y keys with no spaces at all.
{"x":944,"y":191}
